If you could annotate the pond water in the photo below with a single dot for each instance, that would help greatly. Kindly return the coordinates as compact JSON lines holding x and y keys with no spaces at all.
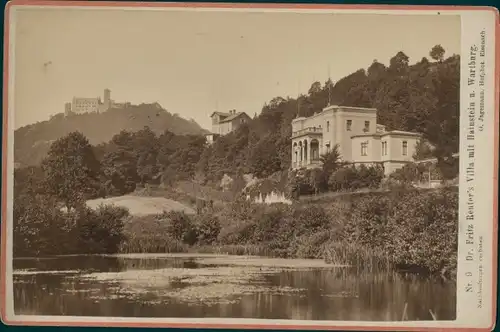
{"x":223,"y":286}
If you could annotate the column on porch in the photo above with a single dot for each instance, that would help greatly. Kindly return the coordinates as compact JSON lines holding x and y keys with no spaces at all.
{"x":307,"y":144}
{"x":320,"y":147}
{"x":301,"y":152}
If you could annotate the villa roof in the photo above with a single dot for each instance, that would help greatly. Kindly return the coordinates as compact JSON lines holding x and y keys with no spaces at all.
{"x":401,"y":132}
{"x":220,"y":113}
{"x":388,"y":133}
{"x":345,"y":107}
{"x":233,"y":116}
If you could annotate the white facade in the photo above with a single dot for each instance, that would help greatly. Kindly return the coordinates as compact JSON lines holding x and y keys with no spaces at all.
{"x":85,"y":105}
{"x":224,"y":123}
{"x":356,"y":132}
{"x":211,"y":138}
{"x":392,"y":149}
{"x":89,"y":105}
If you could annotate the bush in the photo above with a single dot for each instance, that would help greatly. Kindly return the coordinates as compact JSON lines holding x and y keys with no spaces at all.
{"x":352,"y":178}
{"x":179,"y":226}
{"x":149,"y":234}
{"x":342,"y":179}
{"x":414,"y":229}
{"x":425,"y":231}
{"x":308,"y":219}
{"x":368,"y":223}
{"x":409,"y":174}
{"x":41,"y":228}
{"x":104,"y":228}
{"x":208,"y":228}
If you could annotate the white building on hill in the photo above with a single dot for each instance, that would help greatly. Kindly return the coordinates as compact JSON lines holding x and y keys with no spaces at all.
{"x":223,"y":123}
{"x":360,"y":139}
{"x":81,"y":105}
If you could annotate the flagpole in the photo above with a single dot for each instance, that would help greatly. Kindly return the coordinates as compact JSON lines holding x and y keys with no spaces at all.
{"x":329,"y":86}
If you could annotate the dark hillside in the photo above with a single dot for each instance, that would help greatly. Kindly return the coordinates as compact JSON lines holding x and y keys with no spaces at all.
{"x":33,"y":141}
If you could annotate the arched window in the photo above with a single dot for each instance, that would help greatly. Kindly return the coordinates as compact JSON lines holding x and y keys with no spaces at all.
{"x":405,"y":148}
{"x":327,"y":126}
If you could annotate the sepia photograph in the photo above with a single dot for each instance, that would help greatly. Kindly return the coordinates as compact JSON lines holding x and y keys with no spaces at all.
{"x":249,"y":164}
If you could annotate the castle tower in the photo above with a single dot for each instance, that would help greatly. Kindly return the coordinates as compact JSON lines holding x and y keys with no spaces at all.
{"x":107,"y":99}
{"x":67,"y":109}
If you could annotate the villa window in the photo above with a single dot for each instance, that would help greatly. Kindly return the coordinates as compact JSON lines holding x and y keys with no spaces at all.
{"x":405,"y":148}
{"x":348,"y":125}
{"x":367,"y":126}
{"x":328,"y":148}
{"x":364,"y":148}
{"x":384,"y":148}
{"x":327,"y":126}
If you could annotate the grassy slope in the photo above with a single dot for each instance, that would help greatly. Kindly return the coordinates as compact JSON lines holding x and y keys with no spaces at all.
{"x":142,"y":206}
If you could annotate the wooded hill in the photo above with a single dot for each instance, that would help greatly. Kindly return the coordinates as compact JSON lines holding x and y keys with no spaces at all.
{"x":422,"y":97}
{"x":32,"y":142}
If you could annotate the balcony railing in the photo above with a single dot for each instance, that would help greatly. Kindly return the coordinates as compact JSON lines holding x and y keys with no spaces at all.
{"x":306,"y":163}
{"x":308,"y":131}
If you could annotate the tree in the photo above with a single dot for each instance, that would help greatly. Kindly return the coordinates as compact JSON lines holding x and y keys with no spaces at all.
{"x":38,"y":227}
{"x":120,"y":169}
{"x":263,"y":158}
{"x":409,"y":174}
{"x":399,"y":63}
{"x":423,"y":150}
{"x":315,"y":88}
{"x":318,"y":180}
{"x":331,"y":160}
{"x":72,"y":170}
{"x":437,"y":53}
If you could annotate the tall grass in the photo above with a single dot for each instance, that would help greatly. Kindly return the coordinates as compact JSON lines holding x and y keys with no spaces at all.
{"x":149,"y":234}
{"x":364,"y":259}
{"x":234,"y":249}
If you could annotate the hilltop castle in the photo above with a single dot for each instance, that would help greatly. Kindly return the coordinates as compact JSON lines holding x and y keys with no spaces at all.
{"x":81,"y":105}
{"x":359,"y":138}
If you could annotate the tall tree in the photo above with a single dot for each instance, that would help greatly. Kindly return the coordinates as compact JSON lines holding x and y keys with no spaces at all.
{"x":399,"y":63}
{"x":72,"y":170}
{"x":331,"y":160}
{"x":437,"y":53}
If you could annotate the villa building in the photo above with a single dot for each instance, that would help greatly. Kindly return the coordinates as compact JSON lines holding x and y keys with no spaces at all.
{"x":223,"y":123}
{"x":359,"y":138}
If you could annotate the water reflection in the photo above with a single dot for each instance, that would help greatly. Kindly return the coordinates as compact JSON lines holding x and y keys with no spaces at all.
{"x":308,"y":294}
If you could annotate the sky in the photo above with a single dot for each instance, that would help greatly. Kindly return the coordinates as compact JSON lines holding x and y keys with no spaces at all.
{"x":194,"y":63}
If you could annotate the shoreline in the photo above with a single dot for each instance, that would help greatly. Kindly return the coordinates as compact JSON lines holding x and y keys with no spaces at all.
{"x":250,"y":261}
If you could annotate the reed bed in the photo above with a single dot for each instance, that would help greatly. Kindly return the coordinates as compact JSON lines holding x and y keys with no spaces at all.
{"x":234,"y":249}
{"x":364,"y":259}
